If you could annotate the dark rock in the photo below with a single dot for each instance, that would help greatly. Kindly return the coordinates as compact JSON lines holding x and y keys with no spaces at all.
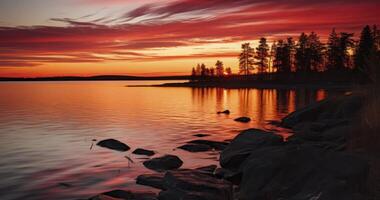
{"x":243,"y":145}
{"x":301,"y":172}
{"x":207,"y":169}
{"x":231,"y":176}
{"x":214,"y":144}
{"x":113,"y":144}
{"x":145,"y":152}
{"x":153,"y":180}
{"x":201,"y":135}
{"x":124,"y":195}
{"x":227,"y":112}
{"x":195,"y":147}
{"x":191,"y":184}
{"x":243,"y":119}
{"x":167,"y":162}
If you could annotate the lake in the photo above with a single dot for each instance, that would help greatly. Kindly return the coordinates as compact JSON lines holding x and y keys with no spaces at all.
{"x":47,"y":128}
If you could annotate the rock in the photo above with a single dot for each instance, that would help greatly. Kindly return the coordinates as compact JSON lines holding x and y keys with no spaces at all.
{"x":145,"y":152}
{"x":201,"y":135}
{"x":337,"y":108}
{"x":195,"y":147}
{"x":113,"y":144}
{"x":301,"y":172}
{"x":167,"y":162}
{"x":243,"y":119}
{"x":227,"y":112}
{"x":243,"y":145}
{"x":124,"y":195}
{"x":153,"y":180}
{"x":213,"y":144}
{"x":193,"y":185}
{"x":207,"y":169}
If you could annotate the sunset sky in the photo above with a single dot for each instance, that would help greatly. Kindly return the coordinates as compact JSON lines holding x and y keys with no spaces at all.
{"x":156,"y":37}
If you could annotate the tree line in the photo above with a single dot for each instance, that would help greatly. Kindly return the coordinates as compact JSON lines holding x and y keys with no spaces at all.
{"x":307,"y":54}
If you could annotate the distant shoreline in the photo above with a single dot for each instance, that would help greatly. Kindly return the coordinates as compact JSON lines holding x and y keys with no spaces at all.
{"x":96,"y":78}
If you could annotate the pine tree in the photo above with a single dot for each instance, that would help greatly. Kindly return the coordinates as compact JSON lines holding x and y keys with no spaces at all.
{"x":219,"y":68}
{"x":246,"y":59}
{"x":262,"y":55}
{"x":228,"y":71}
{"x":302,"y":57}
{"x":364,"y":49}
{"x":193,"y":72}
{"x":345,"y":43}
{"x":332,"y":51}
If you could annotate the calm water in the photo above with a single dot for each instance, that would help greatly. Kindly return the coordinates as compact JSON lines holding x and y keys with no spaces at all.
{"x":46,"y":130}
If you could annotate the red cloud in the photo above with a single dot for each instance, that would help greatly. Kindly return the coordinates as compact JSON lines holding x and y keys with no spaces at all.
{"x":242,"y":20}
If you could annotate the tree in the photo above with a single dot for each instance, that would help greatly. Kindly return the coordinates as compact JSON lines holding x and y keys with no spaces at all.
{"x":246,"y":59}
{"x":203,"y":70}
{"x":309,"y":53}
{"x":212,"y":71}
{"x":272,"y":57}
{"x":228,"y":71}
{"x":346,"y":42}
{"x":193,"y":72}
{"x":284,"y":55}
{"x":219,"y":68}
{"x":332,"y":51}
{"x":262,"y":55}
{"x":198,"y":70}
{"x":364,"y":49}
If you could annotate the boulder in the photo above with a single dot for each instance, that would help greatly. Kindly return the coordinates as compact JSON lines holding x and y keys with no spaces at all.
{"x":227,"y":112}
{"x":167,"y":162}
{"x":191,"y":184}
{"x":195,"y":147}
{"x":243,"y":119}
{"x":213,"y":144}
{"x":243,"y":145}
{"x":301,"y":172}
{"x":124,"y":195}
{"x":145,"y":152}
{"x":113,"y":144}
{"x":153,"y":180}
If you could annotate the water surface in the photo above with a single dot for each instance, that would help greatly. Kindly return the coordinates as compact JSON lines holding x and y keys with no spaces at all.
{"x":47,"y":128}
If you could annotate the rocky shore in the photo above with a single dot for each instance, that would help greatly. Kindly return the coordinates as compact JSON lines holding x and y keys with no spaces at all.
{"x":259,"y":165}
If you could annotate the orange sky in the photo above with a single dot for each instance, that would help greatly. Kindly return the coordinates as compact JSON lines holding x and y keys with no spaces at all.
{"x":161,"y":37}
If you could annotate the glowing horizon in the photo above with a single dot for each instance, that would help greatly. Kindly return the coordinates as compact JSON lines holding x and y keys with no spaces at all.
{"x":161,"y":37}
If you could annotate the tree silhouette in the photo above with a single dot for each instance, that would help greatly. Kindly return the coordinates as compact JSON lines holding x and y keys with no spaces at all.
{"x":228,"y":71}
{"x":198,"y":70}
{"x":284,"y":55}
{"x":203,"y":70}
{"x":219,"y":68}
{"x":332,"y":51}
{"x":309,"y":53}
{"x":246,"y":59}
{"x":193,"y":72}
{"x":346,"y":42}
{"x":302,"y":57}
{"x":262,"y":54}
{"x":364,"y":50}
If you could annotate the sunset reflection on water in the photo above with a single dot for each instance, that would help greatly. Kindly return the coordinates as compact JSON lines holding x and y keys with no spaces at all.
{"x":46,"y":130}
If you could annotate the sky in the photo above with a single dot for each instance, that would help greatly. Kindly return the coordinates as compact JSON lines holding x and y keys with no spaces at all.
{"x":157,"y":37}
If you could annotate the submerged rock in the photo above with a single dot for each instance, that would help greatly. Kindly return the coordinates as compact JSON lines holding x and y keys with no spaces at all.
{"x":193,"y":185}
{"x":244,"y":144}
{"x":227,"y":112}
{"x":243,"y":119}
{"x":213,"y":144}
{"x":195,"y":147}
{"x":155,"y":180}
{"x":201,"y":135}
{"x":124,"y":195}
{"x":167,"y":162}
{"x":113,"y":144}
{"x":145,"y":152}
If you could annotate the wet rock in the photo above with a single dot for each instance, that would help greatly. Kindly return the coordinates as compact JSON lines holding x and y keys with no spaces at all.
{"x":201,"y":135}
{"x":191,"y":184}
{"x":145,"y":152}
{"x":301,"y":172}
{"x":244,"y":144}
{"x":195,"y":147}
{"x":153,"y":180}
{"x":167,"y":162}
{"x":124,"y":195}
{"x":227,"y":112}
{"x":213,"y":144}
{"x":207,"y":169}
{"x":243,"y":119}
{"x":113,"y":144}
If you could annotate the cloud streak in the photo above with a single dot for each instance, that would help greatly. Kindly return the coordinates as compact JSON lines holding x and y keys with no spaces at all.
{"x":143,"y":32}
